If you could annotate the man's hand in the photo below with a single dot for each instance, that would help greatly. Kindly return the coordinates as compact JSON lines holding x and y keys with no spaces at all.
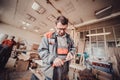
{"x":58,"y":62}
{"x":69,"y":56}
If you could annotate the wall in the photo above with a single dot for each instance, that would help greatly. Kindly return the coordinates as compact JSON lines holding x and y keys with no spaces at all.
{"x":97,"y":45}
{"x":28,"y":36}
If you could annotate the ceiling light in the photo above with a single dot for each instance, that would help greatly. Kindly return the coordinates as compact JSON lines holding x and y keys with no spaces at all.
{"x":103,"y":12}
{"x":99,"y":34}
{"x":27,"y":24}
{"x":23,"y":22}
{"x":35,"y":6}
{"x":24,"y":28}
{"x":38,"y":8}
{"x":36,"y":30}
{"x":51,"y":18}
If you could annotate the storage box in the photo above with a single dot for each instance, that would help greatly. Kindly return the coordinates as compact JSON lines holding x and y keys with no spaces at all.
{"x":35,"y":47}
{"x":22,"y":65}
{"x":34,"y":56}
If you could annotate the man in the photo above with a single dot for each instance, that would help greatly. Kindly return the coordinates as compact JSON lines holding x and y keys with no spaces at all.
{"x":56,"y":50}
{"x":5,"y":50}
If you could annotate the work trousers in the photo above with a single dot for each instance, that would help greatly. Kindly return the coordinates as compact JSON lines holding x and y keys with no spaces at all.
{"x":5,"y":53}
{"x":59,"y":73}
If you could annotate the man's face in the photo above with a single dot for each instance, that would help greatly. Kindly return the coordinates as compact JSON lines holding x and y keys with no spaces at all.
{"x":61,"y":29}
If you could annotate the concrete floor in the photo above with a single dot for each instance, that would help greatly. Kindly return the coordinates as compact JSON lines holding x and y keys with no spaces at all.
{"x":7,"y":74}
{"x":10,"y":72}
{"x":20,"y":75}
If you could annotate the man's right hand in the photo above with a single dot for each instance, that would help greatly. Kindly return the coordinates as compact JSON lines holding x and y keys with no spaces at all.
{"x":58,"y":62}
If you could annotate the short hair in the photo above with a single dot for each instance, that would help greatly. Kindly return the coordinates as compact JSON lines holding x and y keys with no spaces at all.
{"x":62,"y":19}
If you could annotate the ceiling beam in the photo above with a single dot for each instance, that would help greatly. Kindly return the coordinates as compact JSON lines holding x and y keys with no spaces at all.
{"x":97,"y":20}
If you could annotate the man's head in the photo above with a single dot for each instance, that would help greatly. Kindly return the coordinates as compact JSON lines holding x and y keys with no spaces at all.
{"x":61,"y":25}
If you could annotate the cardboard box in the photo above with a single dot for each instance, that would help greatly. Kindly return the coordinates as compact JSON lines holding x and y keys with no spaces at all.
{"x":35,"y":47}
{"x":34,"y":56}
{"x":22,"y":65}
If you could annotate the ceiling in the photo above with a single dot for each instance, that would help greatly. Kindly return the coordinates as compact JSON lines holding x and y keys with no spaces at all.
{"x":20,"y":14}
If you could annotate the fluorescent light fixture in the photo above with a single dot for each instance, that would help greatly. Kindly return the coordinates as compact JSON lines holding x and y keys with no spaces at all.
{"x":36,"y":30}
{"x":24,"y":28}
{"x":38,"y":8}
{"x":35,"y":6}
{"x":105,"y":9}
{"x":25,"y":23}
{"x":99,"y":34}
